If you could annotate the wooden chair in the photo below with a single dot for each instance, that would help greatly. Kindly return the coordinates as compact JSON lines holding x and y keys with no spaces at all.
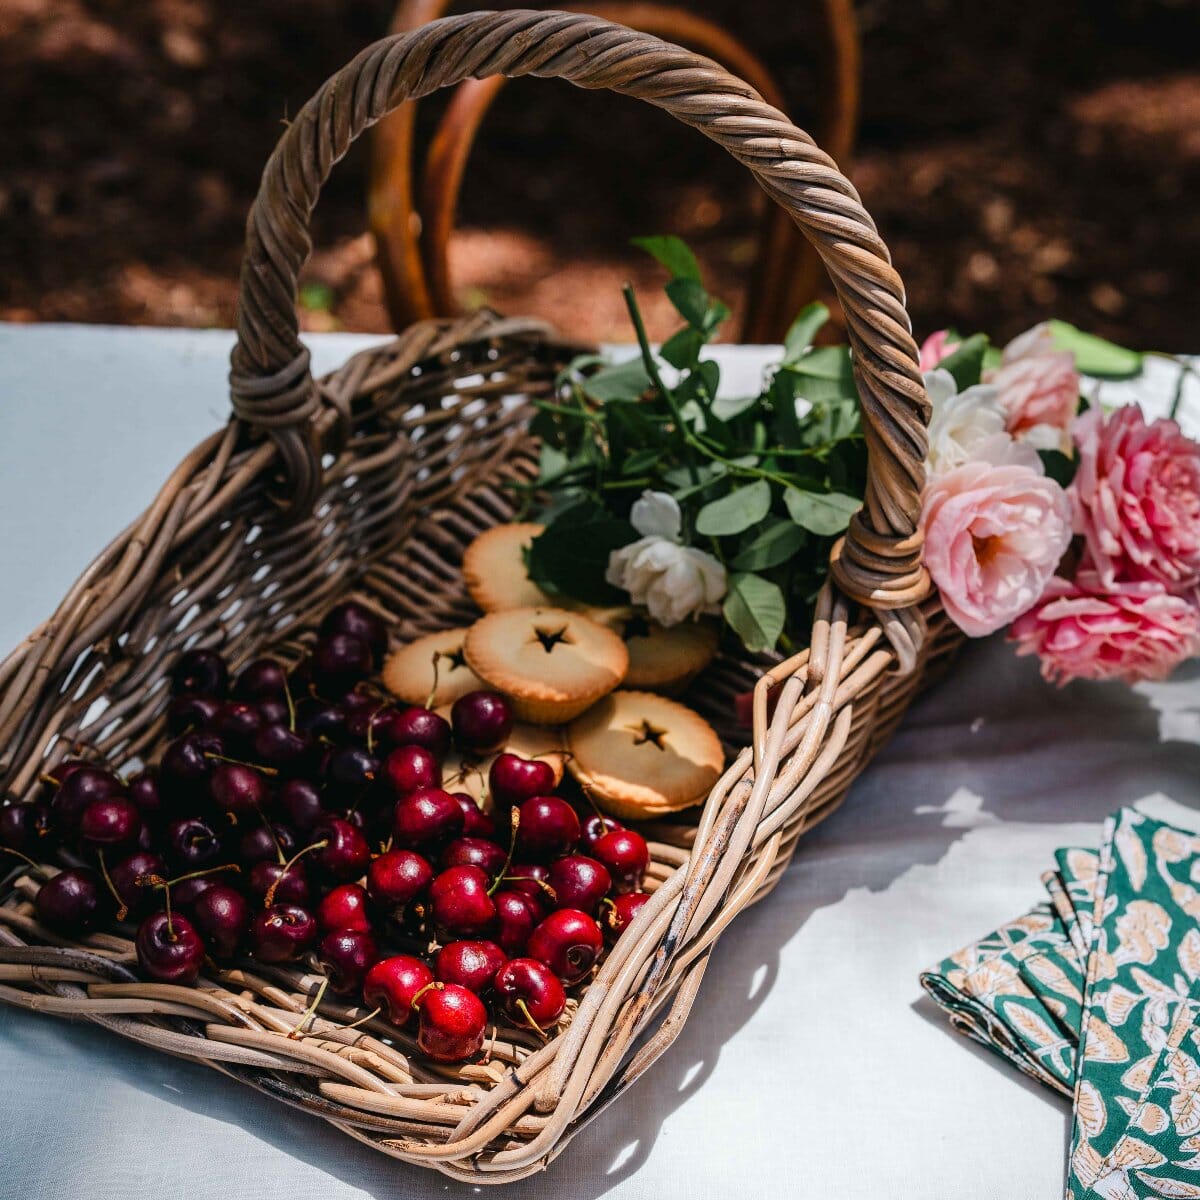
{"x":412,"y":213}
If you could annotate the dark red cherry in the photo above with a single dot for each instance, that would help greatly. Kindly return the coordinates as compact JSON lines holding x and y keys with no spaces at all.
{"x":262,"y":679}
{"x":416,"y":727}
{"x":530,"y":880}
{"x":81,"y":788}
{"x":512,"y":779}
{"x":579,"y":882}
{"x":517,"y":915}
{"x":200,"y":673}
{"x":626,"y":856}
{"x":344,"y":907}
{"x":568,"y":942}
{"x":288,"y":751}
{"x":451,"y":1023}
{"x":222,"y":915}
{"x":347,"y":854}
{"x":131,"y":881}
{"x":237,"y":722}
{"x":460,"y":904}
{"x":28,"y":827}
{"x":549,"y":828}
{"x":169,"y":949}
{"x":70,"y":903}
{"x":397,"y":878}
{"x":186,"y":892}
{"x":145,"y":793}
{"x":111,"y":823}
{"x":472,"y":965}
{"x":324,"y":721}
{"x":428,"y":817}
{"x":393,"y":984}
{"x":358,"y":621}
{"x":187,"y":762}
{"x":191,"y":712}
{"x":369,"y":724}
{"x":290,"y":884}
{"x":482,"y":722}
{"x":595,"y":827}
{"x":529,"y":994}
{"x":475,"y":852}
{"x":276,"y":712}
{"x":616,"y":914}
{"x":408,"y":768}
{"x":476,"y":823}
{"x":266,"y":843}
{"x":299,"y":801}
{"x":349,"y":771}
{"x":191,"y":844}
{"x":339,"y":661}
{"x":282,"y":933}
{"x":238,"y":791}
{"x":347,"y":955}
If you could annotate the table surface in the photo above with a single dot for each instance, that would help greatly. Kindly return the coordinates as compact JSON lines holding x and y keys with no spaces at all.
{"x":811,"y":1066}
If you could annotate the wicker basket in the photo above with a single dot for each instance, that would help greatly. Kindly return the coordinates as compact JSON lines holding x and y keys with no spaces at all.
{"x":370,"y":482}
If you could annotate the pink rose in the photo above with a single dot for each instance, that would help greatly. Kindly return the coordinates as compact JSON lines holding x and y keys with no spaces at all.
{"x":994,"y":534}
{"x":936,"y":347}
{"x":1038,"y":385}
{"x":1136,"y":498}
{"x":1084,"y":629}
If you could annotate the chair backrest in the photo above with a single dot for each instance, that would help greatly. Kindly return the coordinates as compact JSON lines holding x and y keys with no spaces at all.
{"x":413,"y":211}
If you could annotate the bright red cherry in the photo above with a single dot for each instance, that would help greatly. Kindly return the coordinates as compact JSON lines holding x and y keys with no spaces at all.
{"x":393,"y":984}
{"x":512,"y":779}
{"x":428,"y":817}
{"x":222,"y":916}
{"x":579,"y":882}
{"x":70,"y":903}
{"x":397,"y":878}
{"x":347,"y":955}
{"x":110,"y":823}
{"x":626,"y":855}
{"x":476,"y":823}
{"x":549,"y":828}
{"x":416,"y":727}
{"x":529,"y":994}
{"x":530,"y":879}
{"x":616,"y":914}
{"x":408,"y":768}
{"x":347,"y":854}
{"x":482,"y":722}
{"x":282,"y":933}
{"x":475,"y":852}
{"x":345,"y":907}
{"x":169,"y":949}
{"x":568,"y":942}
{"x":452,"y":1021}
{"x":460,"y":903}
{"x":517,"y":915}
{"x":472,"y":965}
{"x":595,"y":827}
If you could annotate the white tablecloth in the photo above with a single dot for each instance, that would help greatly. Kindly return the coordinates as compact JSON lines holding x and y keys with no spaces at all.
{"x":811,"y":1065}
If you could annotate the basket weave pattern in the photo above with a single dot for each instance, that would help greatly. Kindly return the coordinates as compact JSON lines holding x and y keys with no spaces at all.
{"x":371,"y":482}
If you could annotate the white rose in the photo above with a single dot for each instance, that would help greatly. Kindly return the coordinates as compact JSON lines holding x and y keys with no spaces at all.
{"x":673,"y":581}
{"x":968,"y":427}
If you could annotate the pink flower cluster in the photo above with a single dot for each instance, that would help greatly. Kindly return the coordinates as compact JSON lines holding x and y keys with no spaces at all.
{"x":997,"y":528}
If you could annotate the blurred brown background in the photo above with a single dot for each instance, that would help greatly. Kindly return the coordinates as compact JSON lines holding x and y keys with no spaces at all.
{"x":1023,"y":158}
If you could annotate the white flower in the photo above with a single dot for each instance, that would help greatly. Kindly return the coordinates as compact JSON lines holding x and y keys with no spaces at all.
{"x":673,"y":581}
{"x":969,"y":427}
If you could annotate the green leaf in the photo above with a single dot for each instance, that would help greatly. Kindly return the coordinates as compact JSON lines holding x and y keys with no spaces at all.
{"x":742,"y":508}
{"x":682,"y":349}
{"x":571,"y":555}
{"x":756,"y":610}
{"x":725,"y":408}
{"x":674,"y":254}
{"x":690,"y":298}
{"x":776,"y":543}
{"x":1094,"y":355}
{"x":1058,"y":466}
{"x":826,"y":362}
{"x":804,"y":328}
{"x":821,"y":513}
{"x":966,"y":363}
{"x":621,"y":381}
{"x":641,"y":460}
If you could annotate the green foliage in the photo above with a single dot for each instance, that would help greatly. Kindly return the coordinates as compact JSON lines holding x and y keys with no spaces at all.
{"x":1095,"y":356}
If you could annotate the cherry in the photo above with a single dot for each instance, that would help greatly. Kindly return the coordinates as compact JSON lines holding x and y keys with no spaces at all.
{"x":146,"y":794}
{"x":530,"y":880}
{"x":408,"y":768}
{"x":512,"y":779}
{"x":222,"y":916}
{"x":358,"y":621}
{"x":397,"y":878}
{"x":475,"y":852}
{"x":459,"y":902}
{"x":347,"y":955}
{"x":417,"y":727}
{"x":427,"y":817}
{"x":529,"y":994}
{"x":237,"y":790}
{"x":129,"y":879}
{"x":283,"y":748}
{"x":262,"y":679}
{"x":300,"y":801}
{"x":27,"y":827}
{"x":81,"y":788}
{"x":517,"y":915}
{"x":169,"y":949}
{"x":344,"y":907}
{"x":339,"y":661}
{"x":191,"y":844}
{"x":579,"y":882}
{"x":452,"y":1021}
{"x":282,"y":933}
{"x":70,"y":902}
{"x":482,"y":722}
{"x":289,"y":881}
{"x":549,"y":827}
{"x":472,"y":965}
{"x":237,"y":722}
{"x":595,"y":827}
{"x":347,"y":854}
{"x":616,"y":913}
{"x":350,"y":770}
{"x":265,"y":844}
{"x":112,"y":822}
{"x":393,"y":984}
{"x":188,"y":761}
{"x":626,"y":855}
{"x":320,"y":720}
{"x":200,"y":673}
{"x":275,"y":712}
{"x":476,"y":823}
{"x":191,"y":712}
{"x":568,"y":942}
{"x":187,"y":891}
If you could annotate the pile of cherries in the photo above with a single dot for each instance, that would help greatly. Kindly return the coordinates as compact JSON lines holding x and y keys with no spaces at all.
{"x":300,"y":818}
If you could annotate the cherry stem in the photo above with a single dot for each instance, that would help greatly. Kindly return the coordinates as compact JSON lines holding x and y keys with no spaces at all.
{"x":512,"y":845}
{"x":269,"y":897}
{"x":122,"y":907}
{"x":433,"y":983}
{"x":24,"y":858}
{"x":311,"y":1010}
{"x":587,"y":795}
{"x":363,"y":1020}
{"x":437,"y":654}
{"x":532,"y":879}
{"x":523,"y":1009}
{"x":48,"y":778}
{"x":291,"y":705}
{"x":237,"y":762}
{"x":371,"y":733}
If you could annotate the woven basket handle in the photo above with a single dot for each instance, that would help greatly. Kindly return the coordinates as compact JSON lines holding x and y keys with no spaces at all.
{"x":272,"y":388}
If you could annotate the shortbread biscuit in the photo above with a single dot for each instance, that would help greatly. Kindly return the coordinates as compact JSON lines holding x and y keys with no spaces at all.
{"x":665,"y":659}
{"x":494,"y":571}
{"x":641,"y":756}
{"x":551,"y":663}
{"x":409,"y":670}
